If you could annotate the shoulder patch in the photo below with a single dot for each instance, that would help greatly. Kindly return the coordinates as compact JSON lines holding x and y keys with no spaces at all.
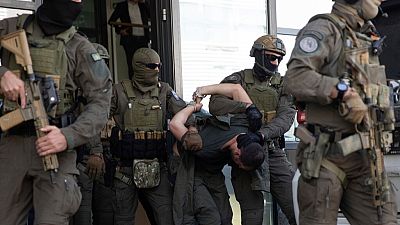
{"x":95,"y":56}
{"x":308,"y":44}
{"x":175,"y":95}
{"x":232,"y":78}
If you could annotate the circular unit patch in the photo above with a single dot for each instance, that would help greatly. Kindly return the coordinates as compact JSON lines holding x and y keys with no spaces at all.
{"x":308,"y":44}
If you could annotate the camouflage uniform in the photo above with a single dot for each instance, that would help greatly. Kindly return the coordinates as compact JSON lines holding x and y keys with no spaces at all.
{"x":318,"y":63}
{"x":276,"y":173}
{"x":153,"y":97}
{"x":24,"y":183}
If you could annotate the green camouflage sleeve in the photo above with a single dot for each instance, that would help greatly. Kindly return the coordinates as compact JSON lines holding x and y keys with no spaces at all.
{"x":91,"y":75}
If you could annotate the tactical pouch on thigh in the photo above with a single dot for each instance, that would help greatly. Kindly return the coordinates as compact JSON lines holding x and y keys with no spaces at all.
{"x":146,"y":173}
{"x":313,"y":155}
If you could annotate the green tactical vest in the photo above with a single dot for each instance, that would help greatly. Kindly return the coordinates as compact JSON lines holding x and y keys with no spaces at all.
{"x":48,"y":58}
{"x":265,"y":95}
{"x":144,"y":111}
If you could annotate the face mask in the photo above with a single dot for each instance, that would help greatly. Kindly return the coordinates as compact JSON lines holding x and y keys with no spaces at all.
{"x":145,"y":76}
{"x":263,"y":65}
{"x":57,"y":16}
{"x":368,"y":9}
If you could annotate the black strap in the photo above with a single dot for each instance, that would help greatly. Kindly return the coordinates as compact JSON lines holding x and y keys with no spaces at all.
{"x":28,"y":21}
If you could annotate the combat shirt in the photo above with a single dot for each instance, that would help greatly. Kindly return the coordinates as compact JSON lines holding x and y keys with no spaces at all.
{"x":314,"y":71}
{"x":86,"y":73}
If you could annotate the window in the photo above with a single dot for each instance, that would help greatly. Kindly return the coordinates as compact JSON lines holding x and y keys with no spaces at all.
{"x":216,"y":37}
{"x":6,"y":12}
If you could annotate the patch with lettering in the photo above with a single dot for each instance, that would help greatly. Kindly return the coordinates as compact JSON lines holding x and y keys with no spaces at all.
{"x":232,"y":78}
{"x":175,"y":95}
{"x":308,"y":44}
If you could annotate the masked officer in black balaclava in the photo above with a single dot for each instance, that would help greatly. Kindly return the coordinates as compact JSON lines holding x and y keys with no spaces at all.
{"x":56,"y":49}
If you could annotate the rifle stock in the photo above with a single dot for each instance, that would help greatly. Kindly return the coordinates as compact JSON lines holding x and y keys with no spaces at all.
{"x":17,"y":43}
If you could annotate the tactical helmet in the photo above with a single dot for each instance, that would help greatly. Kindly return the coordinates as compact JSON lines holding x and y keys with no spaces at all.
{"x":101,"y":50}
{"x":146,"y":55}
{"x":269,"y":43}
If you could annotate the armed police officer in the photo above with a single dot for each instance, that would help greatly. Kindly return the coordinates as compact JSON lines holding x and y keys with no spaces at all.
{"x":90,"y":164}
{"x":56,"y":49}
{"x":139,"y":107}
{"x":335,"y":73}
{"x":263,"y":85}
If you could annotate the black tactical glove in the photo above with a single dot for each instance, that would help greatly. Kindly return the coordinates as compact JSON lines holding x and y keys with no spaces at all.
{"x":245,"y":139}
{"x":254,"y":117}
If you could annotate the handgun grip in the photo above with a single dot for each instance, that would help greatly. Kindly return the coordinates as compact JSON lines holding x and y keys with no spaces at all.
{"x":304,"y":135}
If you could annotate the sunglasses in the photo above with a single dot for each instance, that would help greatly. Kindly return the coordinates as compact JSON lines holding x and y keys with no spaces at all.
{"x":152,"y":65}
{"x":271,"y":57}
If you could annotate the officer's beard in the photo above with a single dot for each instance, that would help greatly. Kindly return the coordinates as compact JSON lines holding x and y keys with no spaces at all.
{"x":143,"y":78}
{"x":263,"y":67}
{"x":57,"y":16}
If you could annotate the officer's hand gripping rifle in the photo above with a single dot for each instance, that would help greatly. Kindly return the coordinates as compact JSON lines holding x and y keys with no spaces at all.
{"x":17,"y":43}
{"x":379,"y":138}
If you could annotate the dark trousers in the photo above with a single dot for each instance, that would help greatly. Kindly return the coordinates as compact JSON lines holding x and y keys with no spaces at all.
{"x":84,"y":214}
{"x":103,"y":204}
{"x":252,"y":201}
{"x":159,"y":198}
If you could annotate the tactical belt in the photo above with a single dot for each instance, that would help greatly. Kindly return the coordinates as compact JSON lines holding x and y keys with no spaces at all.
{"x":334,"y":136}
{"x":124,"y":178}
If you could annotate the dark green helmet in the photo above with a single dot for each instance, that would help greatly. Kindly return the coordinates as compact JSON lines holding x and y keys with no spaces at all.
{"x":268,"y":43}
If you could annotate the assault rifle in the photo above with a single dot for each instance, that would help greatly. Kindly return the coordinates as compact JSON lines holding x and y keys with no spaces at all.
{"x":17,"y":43}
{"x":377,"y":125}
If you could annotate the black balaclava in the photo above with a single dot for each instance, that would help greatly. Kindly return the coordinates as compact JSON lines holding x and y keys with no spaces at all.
{"x":57,"y":16}
{"x":263,"y":67}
